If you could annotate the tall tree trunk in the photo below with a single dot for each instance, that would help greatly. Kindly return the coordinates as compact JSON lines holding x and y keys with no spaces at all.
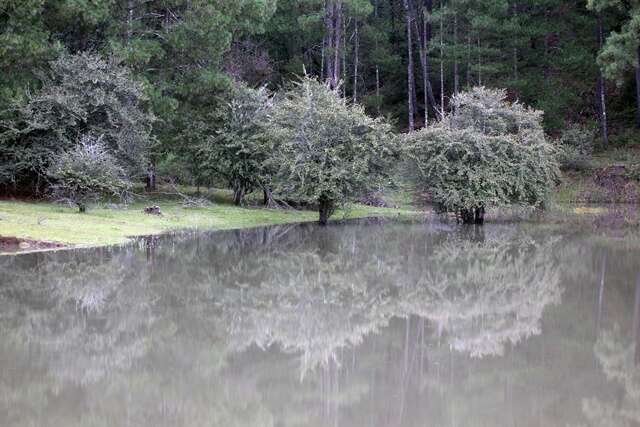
{"x":356,"y":53}
{"x":601,"y":91}
{"x":547,"y":38}
{"x":468,"y":60}
{"x":410,"y":75}
{"x":337,"y":33}
{"x":638,"y":87}
{"x":129,"y":20}
{"x":515,"y":45}
{"x":441,"y":58}
{"x":456,"y":75}
{"x":479,"y":62}
{"x":375,"y":14}
{"x":327,"y":57}
{"x":344,"y":26}
{"x":322,"y":53}
{"x":424,"y":37}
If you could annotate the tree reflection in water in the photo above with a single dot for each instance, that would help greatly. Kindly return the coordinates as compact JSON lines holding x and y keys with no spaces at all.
{"x":346,"y":325}
{"x":619,"y":359}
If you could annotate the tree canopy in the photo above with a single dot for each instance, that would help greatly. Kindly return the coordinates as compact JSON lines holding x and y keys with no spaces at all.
{"x":487,"y":152}
{"x":329,"y":151}
{"x":82,"y":95}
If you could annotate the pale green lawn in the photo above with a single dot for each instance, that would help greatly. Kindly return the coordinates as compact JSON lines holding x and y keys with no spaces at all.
{"x":101,"y":226}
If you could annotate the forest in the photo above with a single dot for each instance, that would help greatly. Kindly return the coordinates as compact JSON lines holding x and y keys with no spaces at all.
{"x":98,"y":95}
{"x":319,"y":213}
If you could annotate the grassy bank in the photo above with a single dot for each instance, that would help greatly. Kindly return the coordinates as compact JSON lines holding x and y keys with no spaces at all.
{"x":49,"y":222}
{"x":601,"y":180}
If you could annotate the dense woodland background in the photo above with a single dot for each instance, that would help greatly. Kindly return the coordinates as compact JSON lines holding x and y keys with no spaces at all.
{"x":402,"y":59}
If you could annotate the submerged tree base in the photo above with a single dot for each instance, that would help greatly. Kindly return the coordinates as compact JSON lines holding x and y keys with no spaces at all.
{"x":472,"y":216}
{"x":326,"y":208}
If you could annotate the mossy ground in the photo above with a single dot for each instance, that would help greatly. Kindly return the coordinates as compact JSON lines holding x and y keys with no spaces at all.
{"x":102,"y":225}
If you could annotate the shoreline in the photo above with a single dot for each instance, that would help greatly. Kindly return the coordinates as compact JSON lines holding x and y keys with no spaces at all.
{"x":29,"y":227}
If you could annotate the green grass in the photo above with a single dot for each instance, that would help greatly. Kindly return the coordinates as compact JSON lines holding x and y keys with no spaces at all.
{"x":574,"y":185}
{"x":103,"y":226}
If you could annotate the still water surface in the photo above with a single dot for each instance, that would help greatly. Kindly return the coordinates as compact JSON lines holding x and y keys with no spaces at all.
{"x":350,"y":325}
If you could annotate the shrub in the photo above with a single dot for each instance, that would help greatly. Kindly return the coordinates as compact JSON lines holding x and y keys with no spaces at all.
{"x":327,"y":152}
{"x":633,"y":172}
{"x":81,"y":94}
{"x":87,"y":173}
{"x":576,"y":147}
{"x":477,"y":159}
{"x":486,"y":111}
{"x":239,"y":150}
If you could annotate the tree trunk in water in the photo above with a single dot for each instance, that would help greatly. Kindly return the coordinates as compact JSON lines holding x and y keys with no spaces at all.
{"x":472,"y":216}
{"x":410,"y":76}
{"x":601,"y":91}
{"x":325,"y":208}
{"x":467,"y":216}
{"x":479,"y":215}
{"x":151,"y":178}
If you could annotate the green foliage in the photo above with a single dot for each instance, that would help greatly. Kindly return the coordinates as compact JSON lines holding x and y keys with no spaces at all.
{"x":239,"y":151}
{"x":620,"y":52}
{"x":327,"y":151}
{"x":178,"y":47}
{"x":86,"y":173}
{"x":24,"y":45}
{"x":486,"y":111}
{"x":633,"y":172}
{"x":81,"y":95}
{"x":476,"y":159}
{"x":576,"y":147}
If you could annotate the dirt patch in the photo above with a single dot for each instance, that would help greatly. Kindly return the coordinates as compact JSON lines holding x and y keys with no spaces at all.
{"x":15,"y":245}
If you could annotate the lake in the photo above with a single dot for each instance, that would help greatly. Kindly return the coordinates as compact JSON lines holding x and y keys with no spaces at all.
{"x":357,"y":324}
